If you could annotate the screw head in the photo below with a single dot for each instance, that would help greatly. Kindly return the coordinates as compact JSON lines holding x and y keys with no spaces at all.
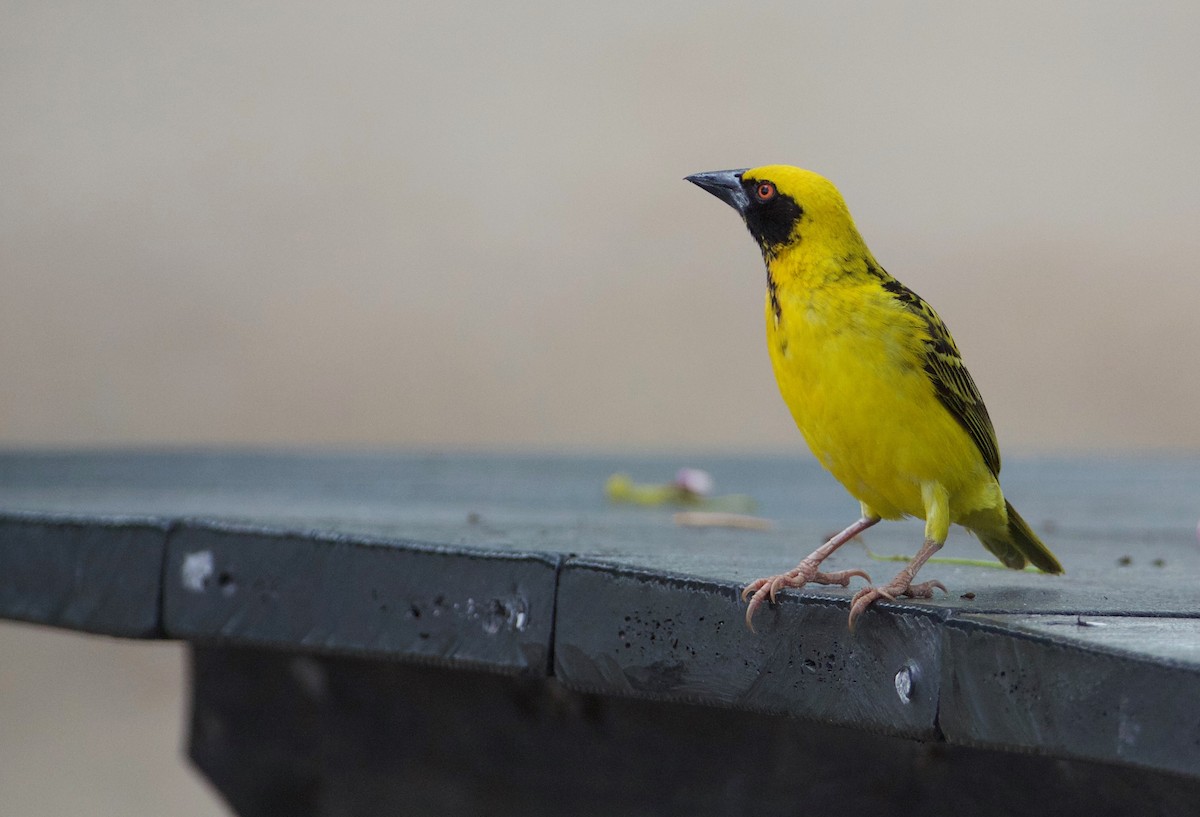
{"x":906,"y":681}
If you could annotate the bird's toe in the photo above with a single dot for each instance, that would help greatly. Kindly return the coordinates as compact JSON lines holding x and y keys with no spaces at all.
{"x":924,"y":590}
{"x":753,"y":587}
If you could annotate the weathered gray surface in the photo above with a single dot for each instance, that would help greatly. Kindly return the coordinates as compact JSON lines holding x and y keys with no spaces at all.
{"x":352,"y":554}
{"x":99,"y":576}
{"x":1112,"y":688}
{"x":391,"y":598}
{"x":638,"y":633}
{"x":1093,"y":513}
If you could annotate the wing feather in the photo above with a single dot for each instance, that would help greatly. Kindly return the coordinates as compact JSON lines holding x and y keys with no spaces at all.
{"x":952,"y":383}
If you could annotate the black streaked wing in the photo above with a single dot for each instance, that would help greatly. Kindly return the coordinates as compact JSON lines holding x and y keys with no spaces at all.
{"x":951,"y":380}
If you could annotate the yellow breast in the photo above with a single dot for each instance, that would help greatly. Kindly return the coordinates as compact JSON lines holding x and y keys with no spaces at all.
{"x":848,"y":360}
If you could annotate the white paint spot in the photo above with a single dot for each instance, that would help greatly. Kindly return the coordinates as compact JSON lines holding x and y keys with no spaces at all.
{"x":197,"y":570}
{"x":500,"y":614}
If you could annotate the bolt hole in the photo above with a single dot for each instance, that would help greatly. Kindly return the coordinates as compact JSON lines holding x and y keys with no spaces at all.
{"x":226,"y":583}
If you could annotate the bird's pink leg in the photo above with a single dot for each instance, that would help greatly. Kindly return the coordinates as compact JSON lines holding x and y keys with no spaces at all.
{"x":807,"y":571}
{"x":901,"y":585}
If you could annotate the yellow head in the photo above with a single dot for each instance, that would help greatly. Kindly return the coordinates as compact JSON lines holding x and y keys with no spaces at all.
{"x":786,"y":209}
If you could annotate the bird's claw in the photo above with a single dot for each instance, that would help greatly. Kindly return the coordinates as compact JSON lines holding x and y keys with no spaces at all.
{"x":924,"y":590}
{"x":761,"y":590}
{"x":869,"y":595}
{"x":752,"y":588}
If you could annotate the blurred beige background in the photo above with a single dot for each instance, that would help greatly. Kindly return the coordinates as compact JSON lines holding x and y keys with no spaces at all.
{"x":463,"y":224}
{"x":93,"y":727}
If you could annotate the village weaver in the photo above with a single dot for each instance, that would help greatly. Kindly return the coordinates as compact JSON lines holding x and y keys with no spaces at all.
{"x":875,"y":383}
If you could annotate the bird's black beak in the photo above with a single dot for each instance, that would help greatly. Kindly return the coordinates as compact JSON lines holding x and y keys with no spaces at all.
{"x":725,"y":185}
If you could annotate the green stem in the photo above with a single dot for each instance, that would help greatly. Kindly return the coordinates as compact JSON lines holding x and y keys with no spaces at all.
{"x":943,"y":560}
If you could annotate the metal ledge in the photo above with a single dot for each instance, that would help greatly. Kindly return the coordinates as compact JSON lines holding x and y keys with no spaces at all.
{"x":319,"y":592}
{"x":518,"y":566}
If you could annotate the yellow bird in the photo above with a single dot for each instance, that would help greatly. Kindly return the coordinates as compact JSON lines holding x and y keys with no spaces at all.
{"x":875,"y":383}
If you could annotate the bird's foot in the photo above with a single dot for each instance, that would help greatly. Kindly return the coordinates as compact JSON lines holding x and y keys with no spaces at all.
{"x":898,"y":587}
{"x":804,"y":573}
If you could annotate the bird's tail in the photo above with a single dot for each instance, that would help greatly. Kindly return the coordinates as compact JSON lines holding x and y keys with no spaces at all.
{"x":1016,"y":543}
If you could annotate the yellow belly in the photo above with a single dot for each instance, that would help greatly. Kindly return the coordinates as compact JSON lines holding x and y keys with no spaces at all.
{"x":849,"y":367}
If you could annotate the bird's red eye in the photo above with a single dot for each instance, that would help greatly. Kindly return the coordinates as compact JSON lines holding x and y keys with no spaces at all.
{"x":765,"y":191}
